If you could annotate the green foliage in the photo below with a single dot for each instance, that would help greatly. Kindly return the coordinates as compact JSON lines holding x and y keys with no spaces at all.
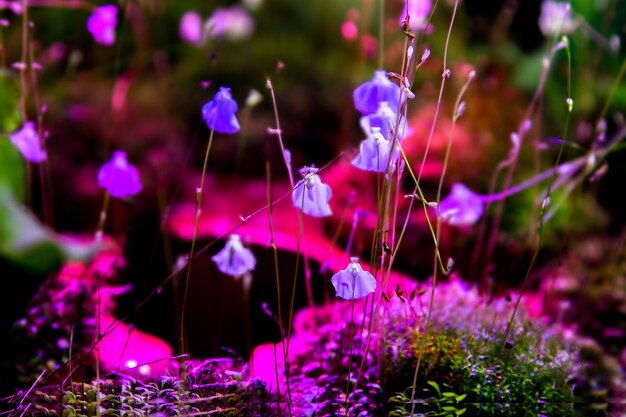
{"x":476,"y":373}
{"x":10,"y":118}
{"x":28,"y":243}
{"x":12,"y":170}
{"x":23,"y":239}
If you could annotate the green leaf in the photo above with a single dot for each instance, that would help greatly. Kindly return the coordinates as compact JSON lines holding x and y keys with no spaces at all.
{"x":28,"y":243}
{"x":435,"y":386}
{"x":12,"y":169}
{"x":460,"y":398}
{"x":10,"y":118}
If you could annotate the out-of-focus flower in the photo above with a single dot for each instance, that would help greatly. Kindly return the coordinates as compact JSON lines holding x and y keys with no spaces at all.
{"x":349,"y":30}
{"x":119,"y":177}
{"x":234,"y":259}
{"x":385,"y":119}
{"x":353,"y":282}
{"x":369,"y":95}
{"x":462,"y":207}
{"x":101,"y":24}
{"x":418,"y":12}
{"x":374,"y":153}
{"x":233,"y":23}
{"x":219,"y":113}
{"x":190,"y":29}
{"x":29,"y":144}
{"x":311,"y":195}
{"x":556,"y":18}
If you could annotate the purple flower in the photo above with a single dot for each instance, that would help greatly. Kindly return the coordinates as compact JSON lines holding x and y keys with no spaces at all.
{"x":219,"y":113}
{"x":369,"y":95}
{"x":353,"y":282}
{"x":462,"y":207}
{"x":556,"y":18}
{"x":101,"y":24}
{"x":190,"y":29}
{"x":374,"y":153}
{"x":28,"y":142}
{"x":234,"y":259}
{"x":418,"y":12}
{"x":311,"y":195}
{"x":119,"y":177}
{"x":384,"y":119}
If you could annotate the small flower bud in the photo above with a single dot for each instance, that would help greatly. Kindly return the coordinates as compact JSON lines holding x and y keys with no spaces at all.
{"x":459,"y":110}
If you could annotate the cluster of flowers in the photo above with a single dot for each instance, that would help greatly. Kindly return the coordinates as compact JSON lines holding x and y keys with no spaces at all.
{"x":374,"y":99}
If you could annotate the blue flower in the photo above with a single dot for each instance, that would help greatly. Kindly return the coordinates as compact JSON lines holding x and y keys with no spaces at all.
{"x":369,"y":95}
{"x":234,"y":259}
{"x":29,"y":144}
{"x":311,"y":195}
{"x":462,"y":207}
{"x":374,"y":153}
{"x":101,"y":24}
{"x":219,"y":113}
{"x":384,"y":119}
{"x":119,"y":177}
{"x":353,"y":282}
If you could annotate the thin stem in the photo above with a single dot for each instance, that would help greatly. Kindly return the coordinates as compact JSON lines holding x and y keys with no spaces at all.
{"x":511,"y":162}
{"x":381,"y":34}
{"x":545,"y":203}
{"x":278,"y":132}
{"x":103,"y":216}
{"x":281,"y":325}
{"x":193,"y":245}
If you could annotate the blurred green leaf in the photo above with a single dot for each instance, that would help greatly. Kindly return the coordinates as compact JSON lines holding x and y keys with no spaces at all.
{"x":12,"y":170}
{"x":28,"y":243}
{"x":10,"y":118}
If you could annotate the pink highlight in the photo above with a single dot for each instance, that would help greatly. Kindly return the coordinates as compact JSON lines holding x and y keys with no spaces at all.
{"x":349,"y":30}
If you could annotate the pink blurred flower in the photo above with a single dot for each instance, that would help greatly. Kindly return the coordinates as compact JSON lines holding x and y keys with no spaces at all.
{"x":556,"y":18}
{"x":232,"y":23}
{"x":349,"y":31}
{"x":101,"y":24}
{"x":418,"y":12}
{"x":190,"y":29}
{"x":29,"y":144}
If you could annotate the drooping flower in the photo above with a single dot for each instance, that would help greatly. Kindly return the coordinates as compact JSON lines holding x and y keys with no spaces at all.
{"x":353,"y":282}
{"x":28,"y":142}
{"x":219,"y":113}
{"x":418,"y":12}
{"x":369,"y":95}
{"x":190,"y":29}
{"x":119,"y":177}
{"x":374,"y":153}
{"x":233,"y":23}
{"x":311,"y":195}
{"x":234,"y":259}
{"x":385,"y":119}
{"x":556,"y":18}
{"x":101,"y":24}
{"x":462,"y":207}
